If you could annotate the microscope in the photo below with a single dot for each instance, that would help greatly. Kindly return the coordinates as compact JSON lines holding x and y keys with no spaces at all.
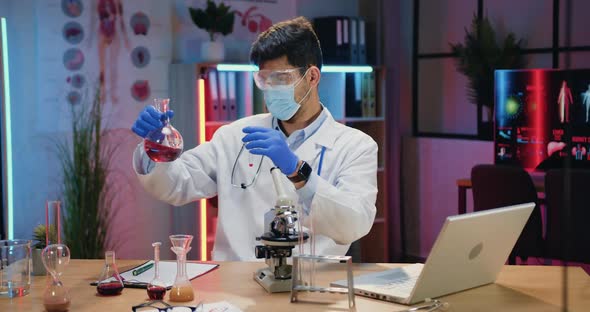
{"x":279,"y":239}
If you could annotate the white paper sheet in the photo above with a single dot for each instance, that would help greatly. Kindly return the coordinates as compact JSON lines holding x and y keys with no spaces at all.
{"x":167,"y":272}
{"x":221,"y":306}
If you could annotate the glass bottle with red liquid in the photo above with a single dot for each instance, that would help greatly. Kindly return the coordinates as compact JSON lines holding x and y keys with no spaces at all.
{"x":110,"y":282}
{"x":156,"y":289}
{"x":163,"y":145}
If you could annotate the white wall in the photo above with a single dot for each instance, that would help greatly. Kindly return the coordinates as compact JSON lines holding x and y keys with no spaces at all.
{"x":139,"y":220}
{"x":429,"y":172}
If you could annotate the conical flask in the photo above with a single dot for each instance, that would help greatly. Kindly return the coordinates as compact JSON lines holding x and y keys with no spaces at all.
{"x":110,"y":282}
{"x":182,"y":290}
{"x":165,"y":144}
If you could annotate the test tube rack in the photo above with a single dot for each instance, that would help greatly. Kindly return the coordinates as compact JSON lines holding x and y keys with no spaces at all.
{"x":298,"y":285}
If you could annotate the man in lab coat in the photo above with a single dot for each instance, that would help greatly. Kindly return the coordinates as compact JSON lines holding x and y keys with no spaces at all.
{"x":329,"y":168}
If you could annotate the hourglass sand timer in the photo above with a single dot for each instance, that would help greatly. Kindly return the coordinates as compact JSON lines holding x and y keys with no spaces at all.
{"x":182,"y":290}
{"x":165,"y":144}
{"x":56,"y":297}
{"x":156,"y":289}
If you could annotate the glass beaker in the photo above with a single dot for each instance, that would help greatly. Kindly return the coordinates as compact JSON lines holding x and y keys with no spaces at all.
{"x":15,"y":271}
{"x":165,"y":144}
{"x":110,"y":282}
{"x":56,"y":297}
{"x":156,"y":289}
{"x":182,"y":290}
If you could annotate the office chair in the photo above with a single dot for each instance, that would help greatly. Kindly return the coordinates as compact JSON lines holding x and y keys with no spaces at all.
{"x":497,"y":186}
{"x":568,"y":234}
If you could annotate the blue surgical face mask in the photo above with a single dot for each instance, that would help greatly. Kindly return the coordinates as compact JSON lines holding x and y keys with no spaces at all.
{"x":280,"y":100}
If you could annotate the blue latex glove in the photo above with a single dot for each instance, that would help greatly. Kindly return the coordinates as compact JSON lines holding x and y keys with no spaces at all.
{"x":270,"y":143}
{"x":148,"y":120}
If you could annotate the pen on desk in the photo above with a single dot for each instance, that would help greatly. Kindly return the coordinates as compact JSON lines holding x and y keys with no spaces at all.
{"x":142,"y":269}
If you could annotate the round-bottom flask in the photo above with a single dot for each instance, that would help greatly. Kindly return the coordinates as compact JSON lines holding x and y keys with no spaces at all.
{"x":166,"y":144}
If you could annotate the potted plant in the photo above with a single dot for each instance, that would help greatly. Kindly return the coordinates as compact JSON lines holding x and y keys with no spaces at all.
{"x":215,"y":20}
{"x":40,"y":236}
{"x":478,"y":57}
{"x":85,"y":159}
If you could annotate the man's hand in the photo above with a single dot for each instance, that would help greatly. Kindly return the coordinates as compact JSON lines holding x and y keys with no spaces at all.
{"x":148,"y":120}
{"x":270,"y":143}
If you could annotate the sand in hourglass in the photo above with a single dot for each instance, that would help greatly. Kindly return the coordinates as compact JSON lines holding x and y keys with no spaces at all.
{"x":57,"y":306}
{"x":182,"y":293}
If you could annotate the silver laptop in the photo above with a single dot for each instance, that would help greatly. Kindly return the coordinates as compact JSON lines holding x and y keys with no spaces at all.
{"x":470,"y":251}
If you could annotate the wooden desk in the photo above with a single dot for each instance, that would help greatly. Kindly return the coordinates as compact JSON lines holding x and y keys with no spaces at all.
{"x":518,"y":288}
{"x":464,"y":184}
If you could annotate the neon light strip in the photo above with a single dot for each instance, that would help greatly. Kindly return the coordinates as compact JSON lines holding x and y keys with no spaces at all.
{"x":325,"y":68}
{"x":203,"y":206}
{"x":8,"y":129}
{"x":539,"y":123}
{"x":501,"y":86}
{"x":237,"y":67}
{"x":346,"y":69}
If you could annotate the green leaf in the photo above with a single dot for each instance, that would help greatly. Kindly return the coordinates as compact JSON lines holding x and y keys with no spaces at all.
{"x":214,"y":19}
{"x":86,"y":197}
{"x":226,"y":24}
{"x":39,"y":235}
{"x":481,"y":53}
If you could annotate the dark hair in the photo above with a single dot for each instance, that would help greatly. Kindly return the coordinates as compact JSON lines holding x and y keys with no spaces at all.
{"x":294,"y":38}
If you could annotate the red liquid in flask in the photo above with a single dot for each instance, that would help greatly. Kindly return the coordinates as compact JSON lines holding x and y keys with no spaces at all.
{"x":156,"y":292}
{"x":160,"y":153}
{"x":109,"y":289}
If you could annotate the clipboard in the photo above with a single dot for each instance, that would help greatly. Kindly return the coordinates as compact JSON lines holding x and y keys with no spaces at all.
{"x":167,"y":273}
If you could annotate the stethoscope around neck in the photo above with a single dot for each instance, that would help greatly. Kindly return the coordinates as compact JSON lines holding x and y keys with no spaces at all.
{"x":246,"y":185}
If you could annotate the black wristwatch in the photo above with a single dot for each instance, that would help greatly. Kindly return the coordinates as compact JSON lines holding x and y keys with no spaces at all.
{"x":303,"y":173}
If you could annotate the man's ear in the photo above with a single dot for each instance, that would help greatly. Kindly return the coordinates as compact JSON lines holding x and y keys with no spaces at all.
{"x":314,"y":76}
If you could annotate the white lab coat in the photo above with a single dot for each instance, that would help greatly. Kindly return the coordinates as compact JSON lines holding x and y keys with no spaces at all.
{"x":342,"y":209}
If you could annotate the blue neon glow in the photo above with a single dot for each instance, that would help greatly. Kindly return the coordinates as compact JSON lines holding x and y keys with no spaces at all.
{"x":8,"y":128}
{"x":325,"y":68}
{"x":501,"y":96}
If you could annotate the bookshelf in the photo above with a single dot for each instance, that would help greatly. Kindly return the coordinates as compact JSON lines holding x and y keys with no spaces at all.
{"x":335,"y":94}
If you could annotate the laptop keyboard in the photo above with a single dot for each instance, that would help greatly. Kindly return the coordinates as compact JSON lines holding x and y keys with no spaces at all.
{"x":392,"y":285}
{"x":400,"y":283}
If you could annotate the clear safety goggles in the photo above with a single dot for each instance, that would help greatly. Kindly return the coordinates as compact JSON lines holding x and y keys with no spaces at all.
{"x":266,"y":79}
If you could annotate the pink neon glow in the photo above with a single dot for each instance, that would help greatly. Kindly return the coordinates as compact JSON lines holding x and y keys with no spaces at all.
{"x":539,"y":124}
